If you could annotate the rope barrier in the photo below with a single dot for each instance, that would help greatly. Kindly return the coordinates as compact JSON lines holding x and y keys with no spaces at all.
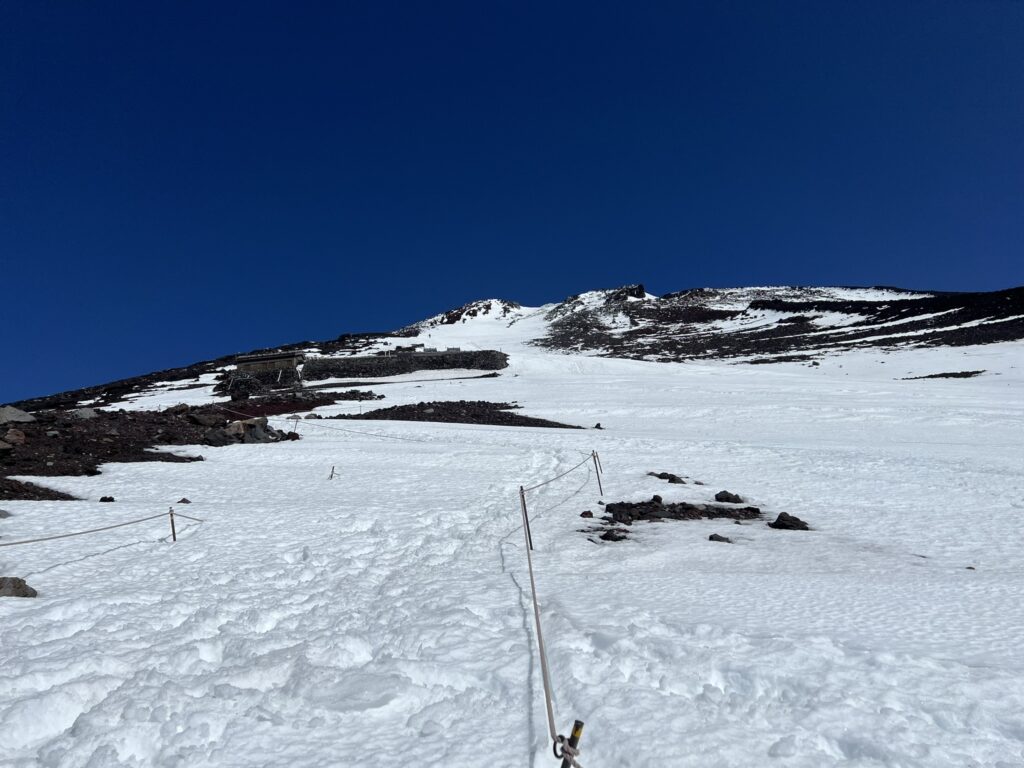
{"x":98,"y":530}
{"x":590,"y":457}
{"x":92,"y":530}
{"x":565,"y":749}
{"x":193,"y":519}
{"x":545,"y":675}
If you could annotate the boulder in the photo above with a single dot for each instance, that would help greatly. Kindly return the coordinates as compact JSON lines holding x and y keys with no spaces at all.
{"x":84,"y":413}
{"x":5,"y":448}
{"x":218,"y":437}
{"x":4,"y":513}
{"x":177,"y":410}
{"x":9,"y":413}
{"x":729,"y":498}
{"x":106,"y":498}
{"x":723,"y":539}
{"x":588,"y":513}
{"x":184,"y":500}
{"x":11,"y":586}
{"x":207,"y":419}
{"x":787,"y":522}
{"x":675,"y":479}
{"x":253,"y":431}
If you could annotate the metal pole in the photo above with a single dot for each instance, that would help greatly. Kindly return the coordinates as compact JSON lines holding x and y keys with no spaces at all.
{"x":574,"y":741}
{"x":600,"y":466}
{"x":526,"y":517}
{"x":174,"y":532}
{"x":597,"y":471}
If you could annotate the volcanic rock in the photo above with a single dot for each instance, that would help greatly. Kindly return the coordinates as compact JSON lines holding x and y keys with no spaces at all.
{"x":787,"y":522}
{"x":729,"y":498}
{"x":11,"y":586}
{"x":207,"y":419}
{"x":674,"y":479}
{"x":723,"y":539}
{"x":9,"y":413}
{"x":218,"y":437}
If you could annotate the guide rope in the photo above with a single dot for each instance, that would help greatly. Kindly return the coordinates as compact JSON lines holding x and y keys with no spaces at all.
{"x":83,"y":532}
{"x":565,"y":749}
{"x":590,"y":457}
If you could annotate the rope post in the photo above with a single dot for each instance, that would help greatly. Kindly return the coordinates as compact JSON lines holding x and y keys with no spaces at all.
{"x":568,"y":758}
{"x":331,"y":476}
{"x":597,"y":471}
{"x":600,"y":466}
{"x":174,"y":533}
{"x":526,"y":517}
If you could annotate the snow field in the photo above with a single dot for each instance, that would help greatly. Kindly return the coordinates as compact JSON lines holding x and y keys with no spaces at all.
{"x":384,"y":616}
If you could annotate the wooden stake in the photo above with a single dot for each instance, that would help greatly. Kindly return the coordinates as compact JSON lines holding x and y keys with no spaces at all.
{"x":597,"y":470}
{"x":174,"y":532}
{"x":526,"y":516}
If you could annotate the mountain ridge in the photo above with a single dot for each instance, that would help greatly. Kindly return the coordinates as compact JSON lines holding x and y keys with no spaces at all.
{"x":753,"y":324}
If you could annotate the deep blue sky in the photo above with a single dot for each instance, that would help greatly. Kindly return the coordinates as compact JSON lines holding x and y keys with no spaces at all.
{"x":183,"y":180}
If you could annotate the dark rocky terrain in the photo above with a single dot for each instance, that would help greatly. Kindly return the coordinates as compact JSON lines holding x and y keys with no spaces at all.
{"x":318,"y":369}
{"x":777,"y":324}
{"x":459,"y":412}
{"x":77,"y":441}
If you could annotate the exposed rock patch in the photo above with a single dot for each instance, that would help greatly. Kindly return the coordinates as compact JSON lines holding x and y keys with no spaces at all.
{"x":787,"y":522}
{"x":11,"y":586}
{"x":319,"y":368}
{"x":948,"y":375}
{"x":686,"y":325}
{"x":16,"y":489}
{"x":626,"y":512}
{"x":458,"y":412}
{"x":674,"y":479}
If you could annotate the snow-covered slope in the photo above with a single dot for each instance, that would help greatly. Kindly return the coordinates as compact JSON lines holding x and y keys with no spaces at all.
{"x":383,"y":615}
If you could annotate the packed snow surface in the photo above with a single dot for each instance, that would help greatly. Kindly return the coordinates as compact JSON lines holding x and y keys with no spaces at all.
{"x":382,"y":617}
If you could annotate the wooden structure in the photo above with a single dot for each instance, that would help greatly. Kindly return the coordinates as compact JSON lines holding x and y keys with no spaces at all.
{"x":270,"y":361}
